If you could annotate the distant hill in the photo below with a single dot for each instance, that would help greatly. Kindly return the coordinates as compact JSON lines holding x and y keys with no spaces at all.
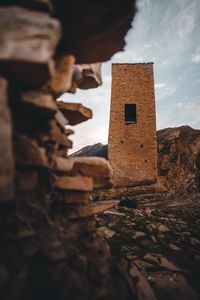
{"x":93,"y":150}
{"x":178,"y":157}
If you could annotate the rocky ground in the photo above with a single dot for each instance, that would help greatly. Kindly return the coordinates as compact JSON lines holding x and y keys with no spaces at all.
{"x":160,"y":244}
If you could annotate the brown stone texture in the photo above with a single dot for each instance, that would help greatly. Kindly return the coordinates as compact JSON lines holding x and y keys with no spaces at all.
{"x":31,"y":36}
{"x":6,"y":155}
{"x":49,"y":248}
{"x":86,"y":76}
{"x":179,"y":159}
{"x":132,"y":147}
{"x":80,"y":183}
{"x":75,"y":112}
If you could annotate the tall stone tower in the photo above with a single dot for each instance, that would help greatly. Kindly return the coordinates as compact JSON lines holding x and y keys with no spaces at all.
{"x":132,"y":146}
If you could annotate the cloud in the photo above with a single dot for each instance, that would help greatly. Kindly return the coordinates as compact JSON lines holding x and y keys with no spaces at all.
{"x":160,"y":85}
{"x":163,"y":90}
{"x":196,"y":58}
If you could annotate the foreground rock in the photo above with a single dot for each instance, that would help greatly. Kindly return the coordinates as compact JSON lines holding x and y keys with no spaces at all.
{"x":49,"y":248}
{"x":161,"y":248}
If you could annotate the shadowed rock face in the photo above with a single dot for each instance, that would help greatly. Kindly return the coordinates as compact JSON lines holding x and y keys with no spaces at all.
{"x":178,"y":158}
{"x":98,"y":27}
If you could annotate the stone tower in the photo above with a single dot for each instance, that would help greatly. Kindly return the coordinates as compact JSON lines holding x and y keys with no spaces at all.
{"x":132,"y":147}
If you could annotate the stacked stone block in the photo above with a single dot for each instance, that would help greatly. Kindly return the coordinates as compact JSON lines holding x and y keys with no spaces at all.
{"x":49,"y":248}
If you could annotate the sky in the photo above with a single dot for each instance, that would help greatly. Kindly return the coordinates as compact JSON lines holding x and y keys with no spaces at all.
{"x":166,"y":32}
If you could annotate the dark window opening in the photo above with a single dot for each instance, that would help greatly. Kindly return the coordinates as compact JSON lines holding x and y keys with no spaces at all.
{"x":130,"y":113}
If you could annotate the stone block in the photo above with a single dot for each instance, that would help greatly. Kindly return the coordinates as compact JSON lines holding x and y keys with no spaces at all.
{"x":28,"y":42}
{"x":28,"y":153}
{"x":61,"y":120}
{"x":83,"y":211}
{"x":27,"y":35}
{"x":26,"y":180}
{"x":75,"y":112}
{"x":56,"y":134}
{"x":62,"y":78}
{"x":87,"y":76}
{"x":97,"y":168}
{"x":6,"y":154}
{"x":76,"y":197}
{"x":77,"y":183}
{"x":40,"y":104}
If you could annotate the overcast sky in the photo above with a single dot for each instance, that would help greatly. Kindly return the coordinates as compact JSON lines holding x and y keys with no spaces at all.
{"x":166,"y":32}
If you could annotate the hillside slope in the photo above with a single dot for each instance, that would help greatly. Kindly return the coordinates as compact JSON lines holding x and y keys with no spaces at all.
{"x":178,"y":158}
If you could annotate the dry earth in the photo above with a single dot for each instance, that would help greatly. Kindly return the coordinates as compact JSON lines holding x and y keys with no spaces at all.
{"x":159,"y":244}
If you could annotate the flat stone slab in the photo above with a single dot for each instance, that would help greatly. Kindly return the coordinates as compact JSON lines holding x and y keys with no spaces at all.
{"x":42,"y":104}
{"x":28,"y":153}
{"x":6,"y":155}
{"x":76,"y":113}
{"x":87,"y":76}
{"x":83,"y":211}
{"x":27,"y":35}
{"x":73,"y":197}
{"x":171,"y":286}
{"x":97,"y":168}
{"x":78,"y":183}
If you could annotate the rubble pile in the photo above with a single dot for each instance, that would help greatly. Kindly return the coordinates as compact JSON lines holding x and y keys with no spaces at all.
{"x":48,"y":243}
{"x":159,"y":243}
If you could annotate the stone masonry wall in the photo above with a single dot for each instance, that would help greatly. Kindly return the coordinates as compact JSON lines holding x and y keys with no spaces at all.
{"x":132,"y":147}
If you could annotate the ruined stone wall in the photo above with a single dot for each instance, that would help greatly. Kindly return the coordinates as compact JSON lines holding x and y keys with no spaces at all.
{"x":132,"y":147}
{"x":49,"y":248}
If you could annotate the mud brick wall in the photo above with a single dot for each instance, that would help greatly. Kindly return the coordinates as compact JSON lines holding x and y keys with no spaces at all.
{"x":132,"y":147}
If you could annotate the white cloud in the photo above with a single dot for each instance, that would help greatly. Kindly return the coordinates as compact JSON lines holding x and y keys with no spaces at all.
{"x":160,"y":85}
{"x":196,"y":58}
{"x":163,"y":90}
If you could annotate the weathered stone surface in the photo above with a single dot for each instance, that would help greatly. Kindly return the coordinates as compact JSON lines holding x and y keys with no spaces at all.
{"x":83,"y":211}
{"x":106,"y":231}
{"x":38,"y":73}
{"x":179,"y":159}
{"x":27,"y":152}
{"x":27,"y":35}
{"x":78,"y":183}
{"x":175,"y":285}
{"x":61,"y":120}
{"x":62,"y":78}
{"x":39,"y":103}
{"x":26,"y":180}
{"x":6,"y":155}
{"x":109,"y":22}
{"x":59,"y":136}
{"x":143,"y":288}
{"x":97,"y":168}
{"x":92,"y":166}
{"x":68,"y":131}
{"x":87,"y":76}
{"x":39,"y":5}
{"x":62,"y":164}
{"x":73,"y":197}
{"x":75,"y":112}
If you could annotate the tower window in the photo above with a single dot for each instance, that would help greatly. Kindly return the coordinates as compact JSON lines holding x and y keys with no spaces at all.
{"x":130,"y":113}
